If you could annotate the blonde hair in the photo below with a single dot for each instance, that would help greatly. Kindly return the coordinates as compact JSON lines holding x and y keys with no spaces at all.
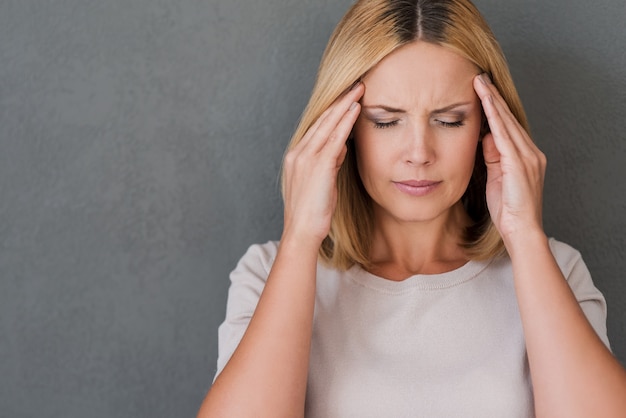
{"x":371,"y":30}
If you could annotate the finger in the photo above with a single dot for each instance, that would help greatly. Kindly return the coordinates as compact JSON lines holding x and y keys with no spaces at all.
{"x":486,"y":86}
{"x":337,"y":138}
{"x":517,"y":133}
{"x":312,"y":129}
{"x":330,"y":119}
{"x":530,"y":158}
{"x":497,"y":126}
{"x":492,"y":159}
{"x":341,"y":157}
{"x":506,"y":127}
{"x":505,"y":152}
{"x":490,"y":151}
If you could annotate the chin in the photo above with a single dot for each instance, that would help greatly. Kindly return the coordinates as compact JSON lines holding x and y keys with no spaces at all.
{"x":414,"y":214}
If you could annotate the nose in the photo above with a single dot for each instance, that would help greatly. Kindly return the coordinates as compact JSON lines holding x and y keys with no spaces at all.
{"x":419,"y":146}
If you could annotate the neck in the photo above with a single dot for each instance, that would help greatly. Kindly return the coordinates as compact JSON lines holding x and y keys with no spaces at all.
{"x":403,"y":249}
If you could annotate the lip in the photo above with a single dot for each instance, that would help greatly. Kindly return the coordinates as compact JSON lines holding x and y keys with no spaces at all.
{"x":416,"y":187}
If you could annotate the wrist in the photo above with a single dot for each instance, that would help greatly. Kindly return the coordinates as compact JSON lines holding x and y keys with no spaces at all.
{"x":300,"y":243}
{"x":525,"y":242}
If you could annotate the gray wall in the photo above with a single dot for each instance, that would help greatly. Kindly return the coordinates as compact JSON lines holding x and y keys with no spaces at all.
{"x":140,"y":143}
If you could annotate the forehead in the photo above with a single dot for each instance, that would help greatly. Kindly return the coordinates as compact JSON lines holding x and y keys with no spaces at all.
{"x":421,"y":73}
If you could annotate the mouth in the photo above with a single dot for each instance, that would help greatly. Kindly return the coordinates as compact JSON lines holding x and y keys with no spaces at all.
{"x":417,"y":187}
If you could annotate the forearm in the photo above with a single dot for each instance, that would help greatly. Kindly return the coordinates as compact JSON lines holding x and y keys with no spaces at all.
{"x":267,"y":373}
{"x":573,"y":373}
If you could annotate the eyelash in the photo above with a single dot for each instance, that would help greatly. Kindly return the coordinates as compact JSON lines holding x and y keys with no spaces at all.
{"x":383,"y":125}
{"x":456,"y":124}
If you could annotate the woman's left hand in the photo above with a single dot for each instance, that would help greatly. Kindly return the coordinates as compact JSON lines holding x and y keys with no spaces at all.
{"x":515,"y":167}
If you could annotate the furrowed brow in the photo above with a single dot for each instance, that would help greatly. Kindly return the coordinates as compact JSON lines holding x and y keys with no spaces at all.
{"x":450,"y":107}
{"x":385,"y":108}
{"x":397,"y":110}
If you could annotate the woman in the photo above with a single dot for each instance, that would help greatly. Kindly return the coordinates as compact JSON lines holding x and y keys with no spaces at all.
{"x":413,"y":276}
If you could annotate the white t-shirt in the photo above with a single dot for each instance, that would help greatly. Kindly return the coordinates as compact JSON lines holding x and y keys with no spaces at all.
{"x":442,"y":345}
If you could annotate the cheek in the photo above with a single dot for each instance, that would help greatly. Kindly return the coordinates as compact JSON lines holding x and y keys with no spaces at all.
{"x":464,"y":157}
{"x":372,"y":161}
{"x":365,"y":153}
{"x":362,"y":147}
{"x":465,"y":151}
{"x":466,"y":144}
{"x":458,"y":155}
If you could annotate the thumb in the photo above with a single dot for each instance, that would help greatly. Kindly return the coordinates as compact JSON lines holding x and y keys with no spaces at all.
{"x":490,"y":152}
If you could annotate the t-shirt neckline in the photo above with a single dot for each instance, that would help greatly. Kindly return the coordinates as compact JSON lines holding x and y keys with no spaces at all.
{"x":460,"y":275}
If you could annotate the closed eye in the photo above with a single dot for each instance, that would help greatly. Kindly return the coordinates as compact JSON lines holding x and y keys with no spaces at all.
{"x":383,"y":125}
{"x":445,"y":124}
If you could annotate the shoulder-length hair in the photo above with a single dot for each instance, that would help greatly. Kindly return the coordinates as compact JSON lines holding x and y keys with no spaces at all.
{"x":371,"y":30}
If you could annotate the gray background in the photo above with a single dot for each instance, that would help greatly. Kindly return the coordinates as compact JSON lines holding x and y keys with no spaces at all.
{"x":140,"y":144}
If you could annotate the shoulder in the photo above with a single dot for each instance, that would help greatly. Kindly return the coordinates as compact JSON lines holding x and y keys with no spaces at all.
{"x":579,"y":279}
{"x":247,"y":283}
{"x":259,"y":257}
{"x":250,"y":274}
{"x":265,"y":251}
{"x":571,"y":263}
{"x":566,"y":256}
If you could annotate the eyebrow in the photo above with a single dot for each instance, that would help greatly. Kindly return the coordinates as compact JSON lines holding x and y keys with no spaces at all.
{"x":396,"y":110}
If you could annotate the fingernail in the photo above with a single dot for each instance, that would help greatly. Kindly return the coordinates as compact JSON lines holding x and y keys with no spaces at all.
{"x":352,"y":106}
{"x":484,"y":77}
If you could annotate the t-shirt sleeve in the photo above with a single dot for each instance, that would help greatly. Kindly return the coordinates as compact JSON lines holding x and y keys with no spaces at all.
{"x":589,"y":297}
{"x":247,"y":281}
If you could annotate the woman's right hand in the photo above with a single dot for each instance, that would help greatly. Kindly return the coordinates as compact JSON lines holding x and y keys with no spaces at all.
{"x":270,"y":365}
{"x":311,"y":167}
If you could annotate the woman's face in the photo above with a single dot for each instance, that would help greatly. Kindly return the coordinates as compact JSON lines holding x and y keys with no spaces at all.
{"x":418,"y":131}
